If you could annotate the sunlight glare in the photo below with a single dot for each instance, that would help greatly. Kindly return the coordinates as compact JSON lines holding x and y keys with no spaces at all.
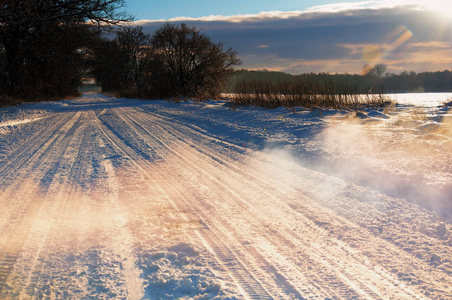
{"x":397,"y":38}
{"x":441,"y":6}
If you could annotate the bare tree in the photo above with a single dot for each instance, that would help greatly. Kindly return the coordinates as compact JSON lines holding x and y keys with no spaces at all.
{"x":137,"y":52}
{"x":379,"y":70}
{"x":188,"y":63}
{"x":123,"y":64}
{"x":376,"y":71}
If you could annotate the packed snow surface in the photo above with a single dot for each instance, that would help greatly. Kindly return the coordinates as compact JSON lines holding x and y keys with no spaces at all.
{"x":107,"y":198}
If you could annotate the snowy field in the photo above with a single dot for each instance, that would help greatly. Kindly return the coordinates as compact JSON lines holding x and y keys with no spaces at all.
{"x":105,"y":198}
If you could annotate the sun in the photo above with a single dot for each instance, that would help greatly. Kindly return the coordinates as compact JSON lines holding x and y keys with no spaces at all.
{"x":441,"y":6}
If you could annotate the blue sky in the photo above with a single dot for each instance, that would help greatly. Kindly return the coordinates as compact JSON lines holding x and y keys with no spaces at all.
{"x":166,"y":9}
{"x":317,"y":36}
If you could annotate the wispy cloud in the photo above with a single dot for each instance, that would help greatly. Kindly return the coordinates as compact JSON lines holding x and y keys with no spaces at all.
{"x":232,"y":19}
{"x":433,"y":45}
{"x":346,"y":6}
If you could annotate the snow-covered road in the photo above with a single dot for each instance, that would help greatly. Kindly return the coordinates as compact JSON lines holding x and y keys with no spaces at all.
{"x":105,"y":198}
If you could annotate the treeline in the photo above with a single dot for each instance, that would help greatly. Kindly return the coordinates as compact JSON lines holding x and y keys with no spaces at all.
{"x":372,"y":80}
{"x":407,"y":82}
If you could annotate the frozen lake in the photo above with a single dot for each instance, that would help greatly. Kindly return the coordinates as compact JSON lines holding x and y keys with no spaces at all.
{"x":422,"y":99}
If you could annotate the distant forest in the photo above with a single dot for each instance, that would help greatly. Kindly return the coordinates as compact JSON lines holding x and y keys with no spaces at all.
{"x":406,"y":82}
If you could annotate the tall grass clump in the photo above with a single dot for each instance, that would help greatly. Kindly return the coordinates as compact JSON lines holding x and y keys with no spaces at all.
{"x":310,"y":91}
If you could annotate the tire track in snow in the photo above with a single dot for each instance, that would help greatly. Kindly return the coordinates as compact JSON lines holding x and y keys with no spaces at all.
{"x":242,"y":277}
{"x":123,"y":239}
{"x":21,"y":212}
{"x":33,"y":244}
{"x":365,"y":284}
{"x":27,"y":159}
{"x":55,"y":208}
{"x":289,"y":287}
{"x":350,"y":285}
{"x":263,"y":261}
{"x":283,"y":282}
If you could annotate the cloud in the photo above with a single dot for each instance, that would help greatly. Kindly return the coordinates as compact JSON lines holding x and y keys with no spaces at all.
{"x":433,"y":45}
{"x":232,"y":19}
{"x":333,"y":38}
